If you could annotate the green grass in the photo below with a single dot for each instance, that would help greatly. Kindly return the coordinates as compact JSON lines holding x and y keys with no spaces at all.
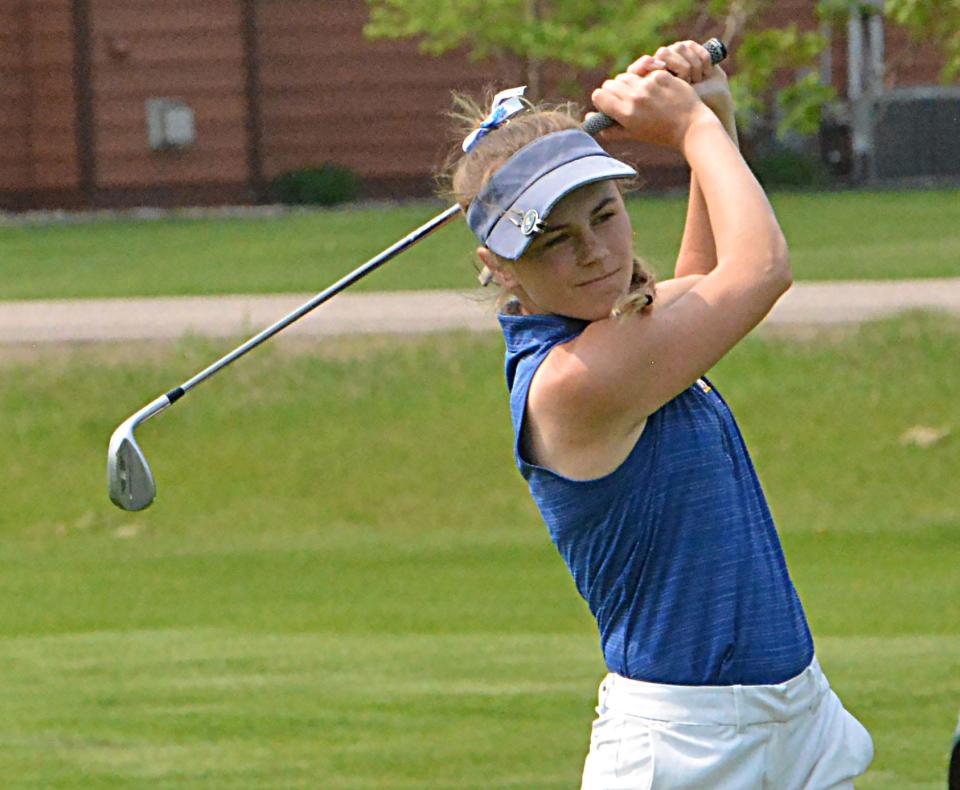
{"x":343,"y":583}
{"x":851,"y":235}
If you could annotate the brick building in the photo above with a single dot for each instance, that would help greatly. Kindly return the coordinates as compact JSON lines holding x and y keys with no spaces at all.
{"x":259,"y":87}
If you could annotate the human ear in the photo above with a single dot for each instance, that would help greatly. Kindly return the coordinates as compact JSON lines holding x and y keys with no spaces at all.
{"x":502,"y":272}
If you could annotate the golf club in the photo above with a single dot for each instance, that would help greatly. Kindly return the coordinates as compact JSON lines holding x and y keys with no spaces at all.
{"x":130,"y":482}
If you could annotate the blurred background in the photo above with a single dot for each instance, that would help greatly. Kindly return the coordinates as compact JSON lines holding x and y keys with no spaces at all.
{"x":343,"y":582}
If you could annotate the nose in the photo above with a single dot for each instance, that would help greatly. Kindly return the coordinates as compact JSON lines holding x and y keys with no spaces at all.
{"x":591,"y":248}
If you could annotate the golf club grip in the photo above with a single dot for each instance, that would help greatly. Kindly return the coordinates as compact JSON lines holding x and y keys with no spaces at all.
{"x":597,"y":123}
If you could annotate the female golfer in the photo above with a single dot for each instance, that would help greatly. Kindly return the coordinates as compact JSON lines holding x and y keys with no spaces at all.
{"x":632,"y":456}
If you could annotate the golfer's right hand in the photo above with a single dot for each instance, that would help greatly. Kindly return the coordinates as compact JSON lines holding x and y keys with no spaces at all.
{"x":654,"y":108}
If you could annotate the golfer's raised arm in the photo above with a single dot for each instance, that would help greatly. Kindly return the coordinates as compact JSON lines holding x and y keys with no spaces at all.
{"x":693,"y":63}
{"x":698,"y":251}
{"x":750,"y":244}
{"x":628,"y":369}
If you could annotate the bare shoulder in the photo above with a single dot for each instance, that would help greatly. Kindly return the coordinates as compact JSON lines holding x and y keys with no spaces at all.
{"x":570,"y":384}
{"x":564,"y":429}
{"x":617,"y":372}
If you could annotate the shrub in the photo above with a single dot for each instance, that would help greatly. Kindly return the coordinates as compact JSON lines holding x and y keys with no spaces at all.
{"x":326,"y":185}
{"x":784,"y":167}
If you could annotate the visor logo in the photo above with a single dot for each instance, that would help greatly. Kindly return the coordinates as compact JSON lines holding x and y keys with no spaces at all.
{"x":528,"y":221}
{"x":531,"y":224}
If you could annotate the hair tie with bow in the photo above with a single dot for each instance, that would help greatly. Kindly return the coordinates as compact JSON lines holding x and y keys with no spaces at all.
{"x":505,"y":105}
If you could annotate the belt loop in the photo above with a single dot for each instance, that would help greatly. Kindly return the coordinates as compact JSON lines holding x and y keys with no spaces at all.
{"x":605,"y":690}
{"x":737,"y":704}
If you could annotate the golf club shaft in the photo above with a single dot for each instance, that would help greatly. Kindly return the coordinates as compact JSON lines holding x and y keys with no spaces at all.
{"x":345,"y":282}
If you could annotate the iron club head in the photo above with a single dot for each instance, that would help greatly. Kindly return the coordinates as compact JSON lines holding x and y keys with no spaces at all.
{"x":129,"y":479}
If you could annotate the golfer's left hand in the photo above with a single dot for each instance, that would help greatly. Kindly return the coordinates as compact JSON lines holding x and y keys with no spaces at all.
{"x":691,"y":62}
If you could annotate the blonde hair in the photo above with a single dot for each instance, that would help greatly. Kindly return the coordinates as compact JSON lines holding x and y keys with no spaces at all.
{"x":464,"y":174}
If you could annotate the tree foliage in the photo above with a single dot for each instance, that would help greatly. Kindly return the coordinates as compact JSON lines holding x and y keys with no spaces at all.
{"x":762,"y":56}
{"x":609,"y":34}
{"x":934,"y":21}
{"x":581,"y":33}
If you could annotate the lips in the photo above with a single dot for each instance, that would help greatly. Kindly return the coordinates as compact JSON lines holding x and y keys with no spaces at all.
{"x":599,"y":279}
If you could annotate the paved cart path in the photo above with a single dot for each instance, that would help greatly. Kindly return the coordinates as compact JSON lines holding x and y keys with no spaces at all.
{"x":88,"y":320}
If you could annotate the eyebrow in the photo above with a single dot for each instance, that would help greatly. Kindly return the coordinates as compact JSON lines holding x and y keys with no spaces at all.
{"x":602,"y":204}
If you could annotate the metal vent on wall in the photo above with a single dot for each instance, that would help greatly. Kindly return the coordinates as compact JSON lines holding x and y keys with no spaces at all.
{"x":170,"y":124}
{"x":917,"y":133}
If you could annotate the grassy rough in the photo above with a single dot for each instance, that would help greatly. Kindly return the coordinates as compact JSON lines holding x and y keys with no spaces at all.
{"x":849,"y":235}
{"x":343,"y":582}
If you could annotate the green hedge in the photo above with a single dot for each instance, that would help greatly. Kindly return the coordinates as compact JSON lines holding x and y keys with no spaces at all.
{"x":326,"y":185}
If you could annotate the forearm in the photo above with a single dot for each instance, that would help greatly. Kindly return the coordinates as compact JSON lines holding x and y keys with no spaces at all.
{"x":698,"y":252}
{"x":735,"y":210}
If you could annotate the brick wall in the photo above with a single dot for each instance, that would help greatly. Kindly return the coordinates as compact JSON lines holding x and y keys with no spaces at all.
{"x":323,"y":94}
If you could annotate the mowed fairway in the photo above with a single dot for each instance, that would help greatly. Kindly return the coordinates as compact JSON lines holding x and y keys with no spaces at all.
{"x":343,"y":584}
{"x":833,"y":236}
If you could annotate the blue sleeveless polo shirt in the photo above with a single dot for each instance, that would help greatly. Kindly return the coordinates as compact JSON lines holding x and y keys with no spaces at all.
{"x":675,"y":551}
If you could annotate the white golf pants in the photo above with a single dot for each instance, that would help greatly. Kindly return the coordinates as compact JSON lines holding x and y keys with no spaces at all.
{"x":787,"y":736}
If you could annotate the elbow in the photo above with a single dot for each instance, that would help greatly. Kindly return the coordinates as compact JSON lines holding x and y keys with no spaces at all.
{"x":766,"y":271}
{"x":783,"y":268}
{"x":786,"y":283}
{"x":778,"y":271}
{"x":784,"y":275}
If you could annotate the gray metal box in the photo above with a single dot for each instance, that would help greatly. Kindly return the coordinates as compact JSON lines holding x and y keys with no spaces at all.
{"x":170,"y":124}
{"x":917,"y":133}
